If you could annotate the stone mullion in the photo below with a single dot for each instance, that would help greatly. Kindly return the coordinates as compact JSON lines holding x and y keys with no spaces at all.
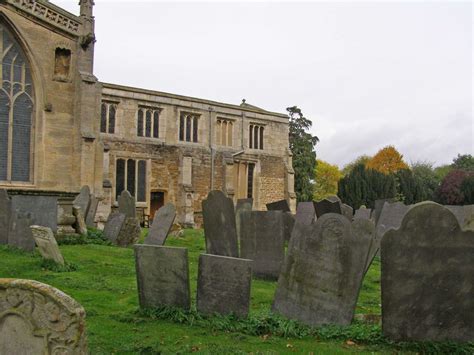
{"x":10,"y":126}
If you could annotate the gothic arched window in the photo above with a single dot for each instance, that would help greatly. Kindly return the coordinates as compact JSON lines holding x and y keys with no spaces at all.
{"x":16,"y":110}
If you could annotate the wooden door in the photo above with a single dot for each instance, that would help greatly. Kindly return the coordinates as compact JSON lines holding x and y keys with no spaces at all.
{"x":157,"y":200}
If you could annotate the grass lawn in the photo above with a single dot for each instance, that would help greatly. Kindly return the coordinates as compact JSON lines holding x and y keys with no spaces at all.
{"x":104,"y":283}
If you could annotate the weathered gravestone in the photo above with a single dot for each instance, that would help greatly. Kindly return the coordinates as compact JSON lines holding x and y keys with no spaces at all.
{"x":464,"y":215}
{"x":428,"y":277}
{"x":325,"y":206}
{"x":219,"y":225}
{"x":363,"y":213}
{"x":90,"y":217}
{"x":320,"y":281}
{"x":80,"y":224}
{"x":47,"y":245}
{"x":113,"y":226}
{"x":263,"y":241}
{"x":38,"y":319}
{"x":244,"y":204}
{"x":161,"y":226}
{"x":281,"y":205}
{"x":305,"y":213}
{"x":43,"y":209}
{"x":347,"y":211}
{"x":224,"y":285}
{"x":83,"y":200}
{"x":20,"y":235}
{"x":162,"y":276}
{"x":126,"y":204}
{"x":129,"y":233}
{"x":288,"y":224}
{"x":5,"y":215}
{"x":378,"y":205}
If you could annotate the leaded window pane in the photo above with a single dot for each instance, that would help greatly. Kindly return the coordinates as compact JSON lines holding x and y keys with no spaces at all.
{"x":251,"y":136}
{"x":119,"y":177}
{"x":195,"y":129}
{"x":188,"y":128}
{"x":156,"y":124}
{"x":22,"y":112}
{"x":251,"y":168}
{"x":4,"y":124}
{"x":148,"y":124}
{"x":261,"y":137}
{"x":181,"y":128}
{"x":140,"y":123}
{"x":103,"y":118}
{"x":112,"y":111}
{"x":255,"y":137}
{"x":141,"y":187}
{"x":131,"y":176}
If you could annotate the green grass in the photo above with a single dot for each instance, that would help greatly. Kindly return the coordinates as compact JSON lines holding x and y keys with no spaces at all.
{"x":102,"y":279}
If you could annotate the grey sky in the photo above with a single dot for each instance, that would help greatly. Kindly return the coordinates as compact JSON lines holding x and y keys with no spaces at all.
{"x":367,"y":74}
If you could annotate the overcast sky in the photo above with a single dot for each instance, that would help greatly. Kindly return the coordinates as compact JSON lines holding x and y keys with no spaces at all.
{"x":368,"y":74}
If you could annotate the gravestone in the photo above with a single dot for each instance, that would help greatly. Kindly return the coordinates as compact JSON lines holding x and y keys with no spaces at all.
{"x":38,"y":319}
{"x":43,"y":209}
{"x":245,"y":204}
{"x":219,"y":225}
{"x":47,"y":245}
{"x":90,"y":217}
{"x":80,"y":224}
{"x":305,"y":213}
{"x":428,"y":277}
{"x":161,"y":226}
{"x":20,"y":235}
{"x":5,"y":215}
{"x":263,"y":241}
{"x":224,"y":285}
{"x":127,"y":204}
{"x":83,"y":200}
{"x":113,"y":226}
{"x":129,"y":233}
{"x":162,"y":276}
{"x":363,"y":213}
{"x":333,"y":198}
{"x":288,"y":224}
{"x":320,"y":281}
{"x":464,"y":215}
{"x":378,"y":205}
{"x":281,"y":205}
{"x":325,"y":206}
{"x":347,"y":211}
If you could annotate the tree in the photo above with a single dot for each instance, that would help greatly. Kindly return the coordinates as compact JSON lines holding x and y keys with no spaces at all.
{"x":409,"y":188}
{"x":427,"y":179}
{"x":363,"y":159}
{"x":302,"y":146}
{"x":467,"y":189}
{"x":449,"y":192}
{"x":387,"y":160}
{"x":463,"y":162}
{"x":441,"y":171}
{"x":327,"y":178}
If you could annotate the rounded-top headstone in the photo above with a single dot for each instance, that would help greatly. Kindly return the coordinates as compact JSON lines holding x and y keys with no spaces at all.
{"x":127,"y":204}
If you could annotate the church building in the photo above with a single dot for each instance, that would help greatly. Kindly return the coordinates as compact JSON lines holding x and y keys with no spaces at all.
{"x":61,"y":128}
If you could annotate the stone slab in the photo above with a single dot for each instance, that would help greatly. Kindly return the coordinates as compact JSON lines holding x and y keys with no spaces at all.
{"x":90,"y":217}
{"x":113,"y":226}
{"x":428,"y":277}
{"x":83,"y":200}
{"x":161,"y":226}
{"x":464,"y":215}
{"x":20,"y":235}
{"x":347,"y":211}
{"x":378,"y":205}
{"x":5,"y":215}
{"x":326,"y":206}
{"x":305,"y":213}
{"x":127,"y":204}
{"x":224,"y":285}
{"x":281,"y":205}
{"x":39,"y":319}
{"x":47,"y":245}
{"x":219,"y":225}
{"x":322,"y":275}
{"x":263,"y":241}
{"x":43,"y":209}
{"x":81,"y":227}
{"x":245,"y":204}
{"x":129,"y":233}
{"x":288,"y":225}
{"x":363,"y":213}
{"x":162,"y":276}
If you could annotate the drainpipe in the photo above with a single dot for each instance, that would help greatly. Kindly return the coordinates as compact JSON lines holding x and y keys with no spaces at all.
{"x":211,"y":147}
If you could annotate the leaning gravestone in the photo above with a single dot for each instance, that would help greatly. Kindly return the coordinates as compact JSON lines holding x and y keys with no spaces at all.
{"x":320,"y":281}
{"x":39,"y":319}
{"x":305,"y":213}
{"x":127,"y":204}
{"x":80,"y":224}
{"x":363,"y":213}
{"x":244,"y":204}
{"x":129,"y":233}
{"x":83,"y":200}
{"x":428,"y":277}
{"x":43,"y":209}
{"x":288,"y":224}
{"x":378,"y":205}
{"x":5,"y":215}
{"x":161,"y":226}
{"x":90,"y":217}
{"x":263,"y":241}
{"x":281,"y":205}
{"x":326,"y":206}
{"x":347,"y":211}
{"x":464,"y":215}
{"x":47,"y":245}
{"x":20,"y":235}
{"x":224,"y":285}
{"x":219,"y":225}
{"x":162,"y":276}
{"x":113,"y":226}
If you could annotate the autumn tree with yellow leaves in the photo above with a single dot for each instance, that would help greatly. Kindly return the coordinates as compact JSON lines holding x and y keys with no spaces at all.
{"x":387,"y":161}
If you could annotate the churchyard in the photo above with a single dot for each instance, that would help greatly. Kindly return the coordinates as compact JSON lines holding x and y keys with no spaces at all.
{"x":326,"y":280}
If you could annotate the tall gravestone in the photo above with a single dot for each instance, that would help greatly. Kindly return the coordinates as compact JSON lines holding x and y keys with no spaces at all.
{"x":288,"y":225}
{"x":161,"y":226}
{"x":281,"y":205}
{"x":428,"y":277}
{"x":5,"y":215}
{"x":20,"y":235}
{"x":80,"y":225}
{"x":129,"y":233}
{"x":224,"y":285}
{"x":378,"y":205}
{"x":320,"y":281}
{"x":38,"y":319}
{"x":244,"y":204}
{"x":305,"y":213}
{"x":83,"y":200}
{"x":90,"y":217}
{"x":47,"y":245}
{"x":126,"y":204}
{"x":162,"y":276}
{"x":326,"y":206}
{"x":113,"y":226}
{"x":263,"y":241}
{"x":43,"y":209}
{"x":219,"y":225}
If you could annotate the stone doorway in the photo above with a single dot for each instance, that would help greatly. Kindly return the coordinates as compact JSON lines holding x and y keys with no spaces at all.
{"x":157,"y":200}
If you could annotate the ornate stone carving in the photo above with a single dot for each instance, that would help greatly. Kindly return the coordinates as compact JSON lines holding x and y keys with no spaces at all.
{"x":39,"y":319}
{"x":44,"y":12}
